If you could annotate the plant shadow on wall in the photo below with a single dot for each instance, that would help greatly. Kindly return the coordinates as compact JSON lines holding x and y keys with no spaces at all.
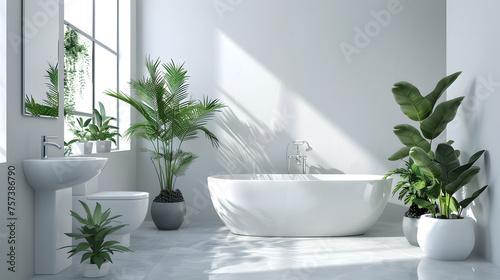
{"x":243,"y":148}
{"x":171,"y":118}
{"x":432,"y":179}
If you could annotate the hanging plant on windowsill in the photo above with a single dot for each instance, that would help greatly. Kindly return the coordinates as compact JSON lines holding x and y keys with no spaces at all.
{"x":76,"y":70}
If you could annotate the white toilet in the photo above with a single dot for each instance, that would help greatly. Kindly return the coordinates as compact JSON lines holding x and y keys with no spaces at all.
{"x":131,"y":205}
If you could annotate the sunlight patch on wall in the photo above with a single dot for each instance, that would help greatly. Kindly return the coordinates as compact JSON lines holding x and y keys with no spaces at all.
{"x":251,"y":127}
{"x":250,"y":89}
{"x":334,"y":148}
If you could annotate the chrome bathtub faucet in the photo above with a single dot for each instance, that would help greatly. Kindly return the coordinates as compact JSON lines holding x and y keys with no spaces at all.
{"x":45,"y":144}
{"x":300,"y":159}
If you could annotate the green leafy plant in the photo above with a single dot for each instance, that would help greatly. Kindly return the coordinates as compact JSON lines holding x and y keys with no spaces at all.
{"x":101,"y":130}
{"x":81,"y":132}
{"x":95,"y":228}
{"x":171,"y":118}
{"x":76,"y":63}
{"x":76,"y":71}
{"x":410,"y":187}
{"x":50,"y":105}
{"x":440,"y":173}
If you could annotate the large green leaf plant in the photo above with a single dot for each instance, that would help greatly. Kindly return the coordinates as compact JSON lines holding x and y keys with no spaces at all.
{"x":171,"y":117}
{"x":440,"y":173}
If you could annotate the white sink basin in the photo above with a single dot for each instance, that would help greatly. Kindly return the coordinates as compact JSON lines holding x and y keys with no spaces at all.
{"x":61,"y":172}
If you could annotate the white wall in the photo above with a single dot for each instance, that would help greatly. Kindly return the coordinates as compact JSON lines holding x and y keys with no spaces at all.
{"x":318,"y":70}
{"x":3,"y":79}
{"x":23,"y":142}
{"x":473,"y":47}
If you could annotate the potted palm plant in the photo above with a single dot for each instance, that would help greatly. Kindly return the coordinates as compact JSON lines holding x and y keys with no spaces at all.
{"x":97,"y":250}
{"x":171,"y":118}
{"x":101,"y":131}
{"x":444,"y":234}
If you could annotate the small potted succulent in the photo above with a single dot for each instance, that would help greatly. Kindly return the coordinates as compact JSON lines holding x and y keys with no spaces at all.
{"x":101,"y":131}
{"x":97,"y":250}
{"x":81,"y":140}
{"x":444,"y":234}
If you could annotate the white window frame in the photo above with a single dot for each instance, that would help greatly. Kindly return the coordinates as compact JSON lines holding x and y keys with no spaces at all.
{"x":124,"y":59}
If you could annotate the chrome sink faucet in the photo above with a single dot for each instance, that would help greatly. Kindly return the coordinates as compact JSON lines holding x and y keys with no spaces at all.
{"x":45,"y":144}
{"x":300,"y":159}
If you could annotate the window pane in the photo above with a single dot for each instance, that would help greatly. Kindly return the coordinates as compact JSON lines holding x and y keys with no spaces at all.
{"x":105,"y":22}
{"x":105,"y":79}
{"x":79,"y":13}
{"x":78,"y":70}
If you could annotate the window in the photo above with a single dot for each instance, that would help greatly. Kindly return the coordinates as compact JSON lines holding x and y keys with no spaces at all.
{"x":95,"y":59}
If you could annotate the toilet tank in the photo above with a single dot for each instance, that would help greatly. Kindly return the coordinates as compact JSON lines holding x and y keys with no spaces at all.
{"x":86,"y":188}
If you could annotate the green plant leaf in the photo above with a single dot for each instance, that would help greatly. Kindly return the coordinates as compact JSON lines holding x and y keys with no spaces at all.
{"x":410,"y":136}
{"x":425,"y":163}
{"x":454,"y":173}
{"x":433,"y":191}
{"x":89,"y":221}
{"x":446,"y":157}
{"x":452,"y":205}
{"x":86,"y":256}
{"x":97,"y":214}
{"x":464,"y":203}
{"x":97,"y":117}
{"x":102,"y":110}
{"x":441,"y":86}
{"x":463,"y":179}
{"x":81,"y":247}
{"x":78,"y":218}
{"x":444,"y":113}
{"x":412,"y":103}
{"x":422,"y":203}
{"x":98,"y":260}
{"x":400,"y":154}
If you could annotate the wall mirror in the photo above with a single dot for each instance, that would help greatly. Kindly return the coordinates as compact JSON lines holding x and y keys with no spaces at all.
{"x":40,"y":33}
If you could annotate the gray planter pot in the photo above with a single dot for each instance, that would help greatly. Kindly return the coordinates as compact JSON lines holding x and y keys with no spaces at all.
{"x":410,"y":229}
{"x":168,"y":215}
{"x":83,"y":148}
{"x":103,"y":146}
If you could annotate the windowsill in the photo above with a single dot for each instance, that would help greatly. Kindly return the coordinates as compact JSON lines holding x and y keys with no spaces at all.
{"x":113,"y":152}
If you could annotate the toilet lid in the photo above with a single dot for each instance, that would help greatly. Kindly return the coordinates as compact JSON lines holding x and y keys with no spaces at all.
{"x":118,"y":195}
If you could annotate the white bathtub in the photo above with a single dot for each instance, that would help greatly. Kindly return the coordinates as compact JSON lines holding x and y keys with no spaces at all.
{"x":299,"y":205}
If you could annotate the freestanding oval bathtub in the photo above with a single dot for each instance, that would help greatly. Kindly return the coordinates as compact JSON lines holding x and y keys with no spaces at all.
{"x":299,"y":205}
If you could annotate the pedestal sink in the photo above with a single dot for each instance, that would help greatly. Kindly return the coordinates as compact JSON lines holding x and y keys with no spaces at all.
{"x":52,"y":180}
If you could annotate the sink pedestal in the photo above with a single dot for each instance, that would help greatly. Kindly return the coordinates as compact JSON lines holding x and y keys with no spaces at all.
{"x":52,"y":220}
{"x":52,"y":180}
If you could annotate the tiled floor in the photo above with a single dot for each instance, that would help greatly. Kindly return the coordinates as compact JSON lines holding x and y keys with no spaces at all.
{"x":210,"y":251}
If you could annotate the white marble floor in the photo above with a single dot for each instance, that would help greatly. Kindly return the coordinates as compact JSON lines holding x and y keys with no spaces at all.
{"x":210,"y":251}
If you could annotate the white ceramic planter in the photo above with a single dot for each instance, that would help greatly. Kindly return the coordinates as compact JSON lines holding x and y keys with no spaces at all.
{"x":83,"y":148}
{"x":103,"y":146}
{"x":446,"y":239}
{"x":91,"y":270}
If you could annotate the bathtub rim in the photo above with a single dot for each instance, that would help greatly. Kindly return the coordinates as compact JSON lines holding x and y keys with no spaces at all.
{"x":361,"y":177}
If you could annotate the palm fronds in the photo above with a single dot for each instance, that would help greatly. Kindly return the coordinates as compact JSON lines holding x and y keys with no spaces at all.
{"x":171,"y":117}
